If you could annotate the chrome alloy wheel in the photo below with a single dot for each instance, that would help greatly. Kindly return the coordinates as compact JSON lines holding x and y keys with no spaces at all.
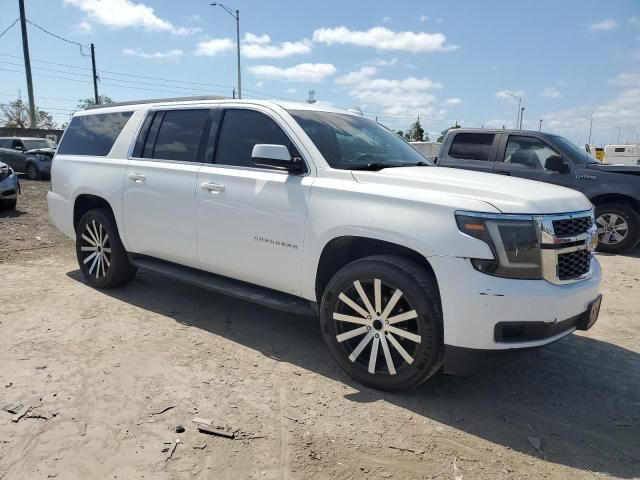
{"x":96,"y":249}
{"x":388,"y":334}
{"x":612,"y":228}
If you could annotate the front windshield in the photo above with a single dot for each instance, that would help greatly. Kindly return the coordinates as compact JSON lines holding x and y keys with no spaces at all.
{"x":350,"y":142}
{"x":577,"y":154}
{"x":38,"y":143}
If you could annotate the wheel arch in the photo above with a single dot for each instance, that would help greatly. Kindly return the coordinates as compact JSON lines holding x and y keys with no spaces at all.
{"x":85,"y":202}
{"x":616,"y":197}
{"x":343,"y":250}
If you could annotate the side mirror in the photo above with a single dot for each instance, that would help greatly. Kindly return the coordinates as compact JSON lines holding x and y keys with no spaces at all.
{"x":555,"y":163}
{"x":276,"y":156}
{"x":20,"y":148}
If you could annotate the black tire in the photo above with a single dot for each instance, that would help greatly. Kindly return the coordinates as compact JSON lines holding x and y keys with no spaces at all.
{"x":32,"y":172}
{"x":116,"y":269}
{"x":626,"y":215}
{"x":8,"y":204}
{"x":419,"y":295}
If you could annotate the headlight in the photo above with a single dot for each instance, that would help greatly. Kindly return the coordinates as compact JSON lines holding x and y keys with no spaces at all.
{"x":43,"y":157}
{"x":5,"y":171}
{"x":514,"y":241}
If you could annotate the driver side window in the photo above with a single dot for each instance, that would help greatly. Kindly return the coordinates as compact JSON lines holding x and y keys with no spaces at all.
{"x":528,"y":153}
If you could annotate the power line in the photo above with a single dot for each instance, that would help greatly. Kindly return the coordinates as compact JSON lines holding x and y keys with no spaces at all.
{"x":60,"y":38}
{"x":10,"y":26}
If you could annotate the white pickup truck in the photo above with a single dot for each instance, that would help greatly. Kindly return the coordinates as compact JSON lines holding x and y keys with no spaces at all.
{"x":410,"y":267}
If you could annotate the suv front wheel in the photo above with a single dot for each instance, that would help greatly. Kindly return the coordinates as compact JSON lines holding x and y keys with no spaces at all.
{"x":101,"y":255}
{"x":618,"y":227}
{"x":382,"y":321}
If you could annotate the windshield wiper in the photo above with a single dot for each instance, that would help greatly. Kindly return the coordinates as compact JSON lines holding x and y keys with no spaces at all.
{"x":375,"y":166}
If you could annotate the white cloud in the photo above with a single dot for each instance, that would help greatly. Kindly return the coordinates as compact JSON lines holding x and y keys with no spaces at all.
{"x":386,"y":19}
{"x":252,"y":38}
{"x":381,"y":62}
{"x":254,"y":46}
{"x":212,"y":47}
{"x":357,"y":76}
{"x":126,"y":13}
{"x":383,"y":38}
{"x":303,"y":72}
{"x":453,"y":101}
{"x":423,"y":18}
{"x":551,"y":93}
{"x":408,"y":96}
{"x":626,"y":79}
{"x":291,"y":90}
{"x":603,"y":25}
{"x":84,"y":27}
{"x":172,"y":54}
{"x":635,"y":21}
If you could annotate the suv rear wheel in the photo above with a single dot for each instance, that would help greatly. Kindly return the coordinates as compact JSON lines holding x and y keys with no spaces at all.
{"x":382,"y":321}
{"x":618,"y":227}
{"x":101,"y":255}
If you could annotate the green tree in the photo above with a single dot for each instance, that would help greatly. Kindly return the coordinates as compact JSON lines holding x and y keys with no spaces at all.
{"x":417,"y":132}
{"x":83,"y":103}
{"x":312,"y":97}
{"x":16,"y":114}
{"x":401,"y":133}
{"x":444,"y":132}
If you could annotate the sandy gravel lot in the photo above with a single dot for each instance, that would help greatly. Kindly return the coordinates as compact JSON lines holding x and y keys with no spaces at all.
{"x":95,"y":366}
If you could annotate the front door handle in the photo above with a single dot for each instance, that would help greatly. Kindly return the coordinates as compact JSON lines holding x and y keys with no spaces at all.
{"x":137,"y":177}
{"x":213,"y":187}
{"x":503,"y":172}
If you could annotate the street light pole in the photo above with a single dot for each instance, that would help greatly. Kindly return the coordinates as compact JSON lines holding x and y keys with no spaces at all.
{"x":519,"y":103}
{"x":236,"y":15}
{"x":521,"y":115}
{"x":590,"y":127}
{"x":540,"y":126}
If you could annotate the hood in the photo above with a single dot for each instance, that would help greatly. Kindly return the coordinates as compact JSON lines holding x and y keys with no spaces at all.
{"x":628,"y":169}
{"x":507,"y":194}
{"x":44,"y":151}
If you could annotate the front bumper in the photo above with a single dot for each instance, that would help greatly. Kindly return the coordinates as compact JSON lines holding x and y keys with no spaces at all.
{"x":9,"y":187}
{"x":477,"y":306}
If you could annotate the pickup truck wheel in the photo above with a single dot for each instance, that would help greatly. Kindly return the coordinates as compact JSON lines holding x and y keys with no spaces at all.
{"x":101,"y":255}
{"x":618,"y":227}
{"x":382,"y":321}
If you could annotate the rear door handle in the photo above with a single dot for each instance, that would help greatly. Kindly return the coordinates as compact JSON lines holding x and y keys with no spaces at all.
{"x":503,"y":172}
{"x":213,"y":187}
{"x":137,"y":177}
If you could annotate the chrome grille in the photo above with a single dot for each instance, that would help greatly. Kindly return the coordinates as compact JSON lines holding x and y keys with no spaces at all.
{"x":573,"y":264}
{"x":570,"y":227}
{"x":567,"y":243}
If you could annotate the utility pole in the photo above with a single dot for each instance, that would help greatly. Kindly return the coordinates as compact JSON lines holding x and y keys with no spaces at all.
{"x":540,"y":126}
{"x":234,"y":93}
{"x":590,"y":127}
{"x":95,"y":75}
{"x":521,"y":115}
{"x":619,"y":128}
{"x":27,"y":64}
{"x":236,"y":15}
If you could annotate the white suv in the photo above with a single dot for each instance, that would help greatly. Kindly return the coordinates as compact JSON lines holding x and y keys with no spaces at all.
{"x":409,"y":266}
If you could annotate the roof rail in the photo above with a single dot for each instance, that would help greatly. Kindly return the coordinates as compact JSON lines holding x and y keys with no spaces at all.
{"x":157,"y":100}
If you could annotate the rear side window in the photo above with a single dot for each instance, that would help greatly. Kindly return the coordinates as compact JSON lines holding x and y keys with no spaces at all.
{"x":472,"y":146}
{"x":4,"y":143}
{"x":619,"y":150}
{"x":173,"y":135}
{"x":93,"y":134}
{"x":240,"y":131}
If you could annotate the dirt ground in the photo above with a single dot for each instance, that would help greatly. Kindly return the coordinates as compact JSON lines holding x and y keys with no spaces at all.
{"x":97,"y":367}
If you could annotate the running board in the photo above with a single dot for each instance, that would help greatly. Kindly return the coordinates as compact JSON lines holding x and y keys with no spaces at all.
{"x":227,"y":286}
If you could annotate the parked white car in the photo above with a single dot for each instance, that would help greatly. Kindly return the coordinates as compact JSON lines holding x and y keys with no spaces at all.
{"x":316,"y":210}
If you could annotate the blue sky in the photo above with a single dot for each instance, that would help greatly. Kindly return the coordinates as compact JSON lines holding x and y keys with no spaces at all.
{"x":444,"y":61}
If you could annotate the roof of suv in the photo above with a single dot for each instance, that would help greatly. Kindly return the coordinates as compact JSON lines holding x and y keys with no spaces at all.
{"x":213,"y":100}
